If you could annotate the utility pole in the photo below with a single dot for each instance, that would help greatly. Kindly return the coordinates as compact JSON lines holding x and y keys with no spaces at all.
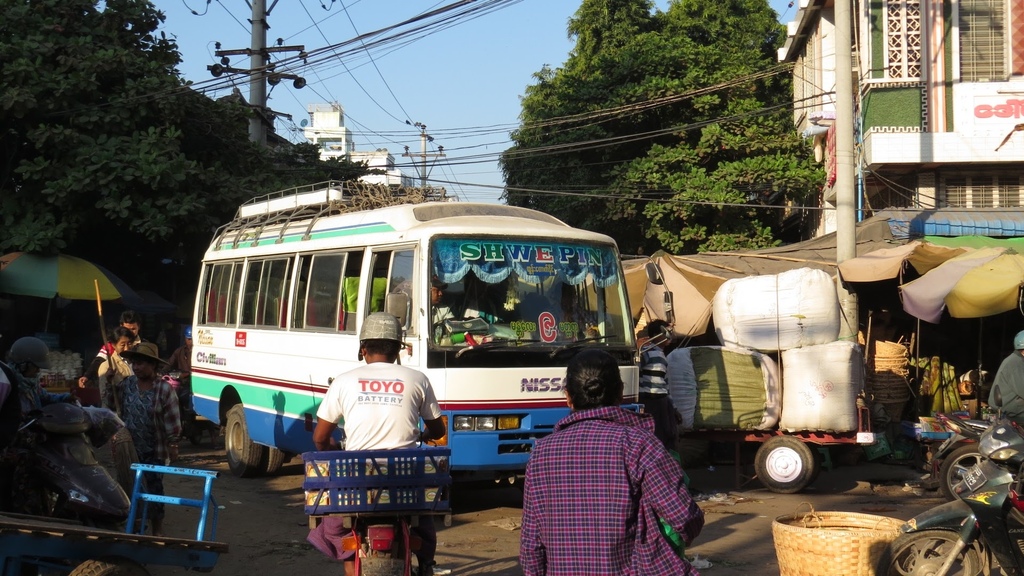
{"x":260,"y":71}
{"x":846,"y":218}
{"x":257,"y":76}
{"x":423,"y":155}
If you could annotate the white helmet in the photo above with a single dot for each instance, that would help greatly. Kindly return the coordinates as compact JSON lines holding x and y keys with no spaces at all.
{"x":381,"y":326}
{"x":29,"y":349}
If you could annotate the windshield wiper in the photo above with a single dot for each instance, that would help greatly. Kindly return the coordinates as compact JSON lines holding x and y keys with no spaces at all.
{"x":495,"y":344}
{"x":577,"y":344}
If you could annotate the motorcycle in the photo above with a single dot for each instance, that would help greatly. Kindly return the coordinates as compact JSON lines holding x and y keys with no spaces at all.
{"x":373,"y":509}
{"x":977,"y":533}
{"x":956,"y":454}
{"x":56,"y":456}
{"x":193,"y":426}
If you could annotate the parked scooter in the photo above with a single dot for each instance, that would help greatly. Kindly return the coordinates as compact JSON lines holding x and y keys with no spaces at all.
{"x":981,"y":531}
{"x":193,"y":426}
{"x":61,"y":458}
{"x":957,"y":454}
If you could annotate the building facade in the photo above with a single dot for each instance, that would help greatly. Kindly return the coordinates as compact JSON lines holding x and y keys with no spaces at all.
{"x":939,"y":107}
{"x":326,"y":129}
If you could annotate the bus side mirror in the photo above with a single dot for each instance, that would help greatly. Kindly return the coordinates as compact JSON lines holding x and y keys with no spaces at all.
{"x":653,"y":274}
{"x":397,"y":304}
{"x":655,"y":277}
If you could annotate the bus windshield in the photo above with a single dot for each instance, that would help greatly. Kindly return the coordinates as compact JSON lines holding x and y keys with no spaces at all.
{"x":526,"y":290}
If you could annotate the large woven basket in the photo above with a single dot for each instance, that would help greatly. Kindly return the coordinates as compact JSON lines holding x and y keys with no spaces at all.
{"x":832,"y":543}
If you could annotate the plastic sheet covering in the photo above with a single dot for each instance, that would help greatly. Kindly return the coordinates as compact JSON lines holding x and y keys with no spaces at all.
{"x":777,"y":312}
{"x":725,"y":389}
{"x":820,"y":387}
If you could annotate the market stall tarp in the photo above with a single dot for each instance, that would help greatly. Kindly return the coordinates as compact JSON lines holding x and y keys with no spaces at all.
{"x":976,"y":284}
{"x":889,"y":263}
{"x":820,"y":253}
{"x":694,"y":279}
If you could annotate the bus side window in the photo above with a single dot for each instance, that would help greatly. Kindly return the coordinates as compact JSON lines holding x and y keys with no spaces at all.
{"x":251,"y":292}
{"x":350,"y":292}
{"x":392,"y":271}
{"x":218,"y":291}
{"x":265,"y":292}
{"x":324,"y":290}
{"x":229,"y":299}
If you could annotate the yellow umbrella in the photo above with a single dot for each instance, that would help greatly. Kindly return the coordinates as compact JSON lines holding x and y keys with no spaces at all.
{"x":973,"y":285}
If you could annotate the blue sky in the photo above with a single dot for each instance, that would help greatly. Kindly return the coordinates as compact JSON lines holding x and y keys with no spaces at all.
{"x":463,"y":81}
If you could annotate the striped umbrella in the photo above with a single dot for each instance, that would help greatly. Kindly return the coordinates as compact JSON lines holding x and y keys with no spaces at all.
{"x":60,"y":275}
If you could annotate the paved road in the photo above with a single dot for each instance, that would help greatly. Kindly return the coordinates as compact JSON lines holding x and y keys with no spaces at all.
{"x":263,"y":522}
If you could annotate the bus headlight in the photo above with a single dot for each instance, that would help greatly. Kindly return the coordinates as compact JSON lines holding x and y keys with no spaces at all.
{"x":486,"y":423}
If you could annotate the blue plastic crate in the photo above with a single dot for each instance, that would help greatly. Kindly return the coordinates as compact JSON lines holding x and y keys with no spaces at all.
{"x":376,"y":480}
{"x":916,"y":430}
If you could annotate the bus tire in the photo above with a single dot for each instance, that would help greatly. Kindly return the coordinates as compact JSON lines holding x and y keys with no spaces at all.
{"x":245,"y":457}
{"x":785,"y":464}
{"x":275,"y":460}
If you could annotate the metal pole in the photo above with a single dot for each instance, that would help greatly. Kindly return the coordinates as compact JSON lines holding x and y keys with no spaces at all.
{"x":846,"y":197}
{"x":423,"y":157}
{"x":257,"y":73}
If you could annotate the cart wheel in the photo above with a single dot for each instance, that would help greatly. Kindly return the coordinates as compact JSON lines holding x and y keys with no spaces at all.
{"x":245,"y":458}
{"x":275,"y":459}
{"x":785,"y":464}
{"x":109,"y":567}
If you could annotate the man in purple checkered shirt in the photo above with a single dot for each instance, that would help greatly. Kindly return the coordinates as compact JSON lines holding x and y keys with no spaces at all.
{"x":596,"y":487}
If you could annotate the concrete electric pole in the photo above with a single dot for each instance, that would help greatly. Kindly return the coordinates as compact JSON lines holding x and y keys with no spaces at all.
{"x":260,"y":70}
{"x":257,"y":75}
{"x":423,"y":155}
{"x":846,"y":196}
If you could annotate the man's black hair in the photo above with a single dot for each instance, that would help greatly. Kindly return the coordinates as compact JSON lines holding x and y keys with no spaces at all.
{"x":389,"y":348}
{"x":656,"y":328}
{"x":131,"y":317}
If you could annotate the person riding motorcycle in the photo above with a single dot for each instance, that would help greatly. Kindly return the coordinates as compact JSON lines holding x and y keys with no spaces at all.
{"x":1010,"y":382}
{"x":381,"y":421}
{"x":26,"y":358}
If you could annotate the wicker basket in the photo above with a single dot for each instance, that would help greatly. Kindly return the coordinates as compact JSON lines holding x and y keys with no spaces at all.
{"x":832,"y":543}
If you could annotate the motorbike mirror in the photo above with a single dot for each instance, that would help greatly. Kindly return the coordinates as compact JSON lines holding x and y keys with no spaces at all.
{"x":997,"y":395}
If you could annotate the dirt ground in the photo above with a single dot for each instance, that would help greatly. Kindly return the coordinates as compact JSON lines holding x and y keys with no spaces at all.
{"x":263,"y":522}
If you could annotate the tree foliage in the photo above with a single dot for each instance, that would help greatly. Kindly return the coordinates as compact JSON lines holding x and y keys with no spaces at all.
{"x":104,"y":144}
{"x":664,"y":129}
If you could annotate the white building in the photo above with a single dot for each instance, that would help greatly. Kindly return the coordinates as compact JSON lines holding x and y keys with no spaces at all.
{"x":939,"y":109}
{"x":327,"y":129}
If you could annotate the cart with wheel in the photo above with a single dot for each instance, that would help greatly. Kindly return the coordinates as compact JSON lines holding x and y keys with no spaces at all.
{"x":788,"y":462}
{"x":62,"y":547}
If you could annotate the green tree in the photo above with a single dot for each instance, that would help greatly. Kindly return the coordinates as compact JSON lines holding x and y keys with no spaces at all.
{"x":671,"y":125}
{"x":103,"y":143}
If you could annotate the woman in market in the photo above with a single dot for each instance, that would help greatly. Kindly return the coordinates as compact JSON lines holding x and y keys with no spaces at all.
{"x":149,"y":408}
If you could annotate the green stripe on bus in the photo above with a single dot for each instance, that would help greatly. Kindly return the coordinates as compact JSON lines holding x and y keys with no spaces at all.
{"x":281,"y":401}
{"x":368,"y":229}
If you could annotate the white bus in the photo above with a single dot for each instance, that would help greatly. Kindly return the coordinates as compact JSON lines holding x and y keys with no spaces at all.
{"x":286,"y":284}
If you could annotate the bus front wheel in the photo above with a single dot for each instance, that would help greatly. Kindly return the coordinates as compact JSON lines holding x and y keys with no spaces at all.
{"x":245,"y":458}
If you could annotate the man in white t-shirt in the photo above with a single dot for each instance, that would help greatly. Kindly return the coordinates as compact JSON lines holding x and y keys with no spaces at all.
{"x":381,"y":405}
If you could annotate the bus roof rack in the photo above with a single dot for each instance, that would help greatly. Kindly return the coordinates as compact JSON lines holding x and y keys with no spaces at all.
{"x":306,"y":204}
